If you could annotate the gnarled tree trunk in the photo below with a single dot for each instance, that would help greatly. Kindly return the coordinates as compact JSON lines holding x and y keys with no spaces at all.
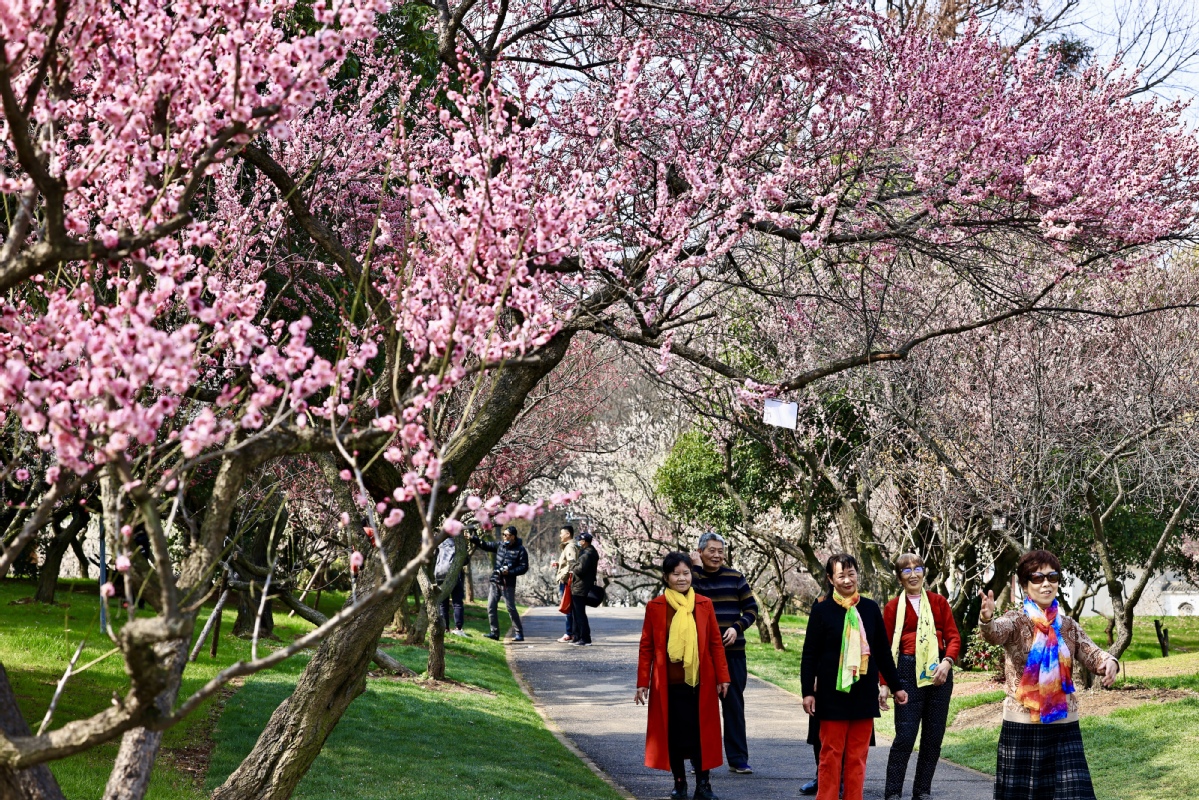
{"x":130,"y":776}
{"x":35,"y":783}
{"x":336,"y":673}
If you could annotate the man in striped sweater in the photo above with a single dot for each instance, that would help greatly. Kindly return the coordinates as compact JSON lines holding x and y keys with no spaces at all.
{"x":736,"y":611}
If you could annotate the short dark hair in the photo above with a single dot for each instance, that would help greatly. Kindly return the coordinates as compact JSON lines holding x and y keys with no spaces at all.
{"x":511,"y":529}
{"x":1029,"y":562}
{"x":569,"y":529}
{"x":844,"y":559}
{"x":672,"y":561}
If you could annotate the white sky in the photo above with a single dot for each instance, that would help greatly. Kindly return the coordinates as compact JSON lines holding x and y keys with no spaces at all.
{"x":1159,"y":35}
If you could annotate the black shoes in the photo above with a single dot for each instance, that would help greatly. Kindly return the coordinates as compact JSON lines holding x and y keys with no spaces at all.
{"x":808,"y":788}
{"x":493,"y":636}
{"x":680,"y":790}
{"x":518,"y":637}
{"x":703,"y":791}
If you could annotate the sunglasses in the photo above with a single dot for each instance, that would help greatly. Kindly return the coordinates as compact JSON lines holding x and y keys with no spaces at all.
{"x":906,"y":571}
{"x":1036,"y":579}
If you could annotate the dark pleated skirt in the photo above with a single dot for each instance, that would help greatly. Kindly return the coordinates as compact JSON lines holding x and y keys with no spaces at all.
{"x":1042,"y":762}
{"x":683,"y":724}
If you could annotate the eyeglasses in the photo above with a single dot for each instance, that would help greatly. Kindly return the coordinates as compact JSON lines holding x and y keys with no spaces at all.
{"x":1037,"y":578}
{"x":907,"y":571}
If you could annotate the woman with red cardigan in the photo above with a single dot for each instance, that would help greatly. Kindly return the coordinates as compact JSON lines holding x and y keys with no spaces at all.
{"x":925,"y":644}
{"x":682,"y":673}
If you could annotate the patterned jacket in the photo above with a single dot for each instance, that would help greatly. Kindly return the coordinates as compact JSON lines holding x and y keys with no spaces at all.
{"x":1015,"y":633}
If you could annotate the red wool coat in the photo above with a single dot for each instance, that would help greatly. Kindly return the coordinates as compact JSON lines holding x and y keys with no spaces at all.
{"x":949,"y":641}
{"x":652,"y":672}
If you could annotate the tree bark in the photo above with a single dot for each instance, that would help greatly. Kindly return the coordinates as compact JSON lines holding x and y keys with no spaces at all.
{"x":130,"y":776}
{"x":35,"y":783}
{"x":435,"y":596}
{"x":47,"y":577}
{"x":336,"y":673}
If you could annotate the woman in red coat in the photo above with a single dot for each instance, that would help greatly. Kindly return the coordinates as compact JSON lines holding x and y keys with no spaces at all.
{"x":682,"y":673}
{"x":925,"y":645}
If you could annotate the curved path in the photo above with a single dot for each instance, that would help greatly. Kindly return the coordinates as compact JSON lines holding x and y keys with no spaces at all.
{"x":587,"y":694}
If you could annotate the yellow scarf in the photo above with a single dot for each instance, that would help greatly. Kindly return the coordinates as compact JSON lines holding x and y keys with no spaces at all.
{"x":927,"y":652}
{"x":855,"y":650}
{"x":682,"y":643}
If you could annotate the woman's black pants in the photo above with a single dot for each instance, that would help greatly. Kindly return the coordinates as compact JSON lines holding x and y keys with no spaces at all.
{"x":683,"y":730}
{"x":926,"y":711}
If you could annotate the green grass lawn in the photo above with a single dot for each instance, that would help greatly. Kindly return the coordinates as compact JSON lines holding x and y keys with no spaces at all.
{"x":1146,"y":753}
{"x":36,"y":643}
{"x":1184,"y":636}
{"x":399,"y":739}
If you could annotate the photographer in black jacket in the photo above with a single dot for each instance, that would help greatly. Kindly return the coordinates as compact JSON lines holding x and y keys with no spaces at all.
{"x":511,"y":560}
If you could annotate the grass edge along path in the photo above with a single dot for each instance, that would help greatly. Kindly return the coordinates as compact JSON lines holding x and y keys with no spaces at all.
{"x":559,"y":734}
{"x":482,"y":738}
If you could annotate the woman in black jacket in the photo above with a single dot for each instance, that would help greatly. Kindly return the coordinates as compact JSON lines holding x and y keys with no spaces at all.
{"x":844,"y":650}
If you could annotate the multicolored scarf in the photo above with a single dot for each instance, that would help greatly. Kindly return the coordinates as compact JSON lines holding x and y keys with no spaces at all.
{"x":928,"y":654}
{"x":855,"y":650}
{"x":1047,"y":677}
{"x":682,"y":642}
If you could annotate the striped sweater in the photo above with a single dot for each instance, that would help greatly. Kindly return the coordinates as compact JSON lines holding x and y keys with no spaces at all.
{"x":732,"y":598}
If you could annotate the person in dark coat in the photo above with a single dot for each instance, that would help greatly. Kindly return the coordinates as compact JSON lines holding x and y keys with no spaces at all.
{"x":682,"y":673}
{"x":511,"y":561}
{"x":845,"y":650}
{"x":583,"y":576}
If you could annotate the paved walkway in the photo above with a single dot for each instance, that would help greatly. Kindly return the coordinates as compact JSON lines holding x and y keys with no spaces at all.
{"x":587,"y":692}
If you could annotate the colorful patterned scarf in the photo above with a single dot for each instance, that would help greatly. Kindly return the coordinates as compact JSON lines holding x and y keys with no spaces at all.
{"x":855,"y":650}
{"x":1047,"y":677}
{"x":928,"y":654}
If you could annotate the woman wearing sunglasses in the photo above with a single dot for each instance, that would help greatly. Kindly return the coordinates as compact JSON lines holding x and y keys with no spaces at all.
{"x":1040,"y":745}
{"x":925,"y":645}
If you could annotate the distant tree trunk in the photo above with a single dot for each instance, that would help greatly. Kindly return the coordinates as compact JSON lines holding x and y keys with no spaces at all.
{"x":258,"y":553}
{"x":35,"y":783}
{"x":1124,"y":611}
{"x":80,"y":555}
{"x":419,"y":625}
{"x":436,"y":627}
{"x":47,"y":577}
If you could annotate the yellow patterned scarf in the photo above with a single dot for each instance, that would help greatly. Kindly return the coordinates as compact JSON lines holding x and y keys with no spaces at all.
{"x":855,"y":650}
{"x":682,"y":643}
{"x":927,"y":652}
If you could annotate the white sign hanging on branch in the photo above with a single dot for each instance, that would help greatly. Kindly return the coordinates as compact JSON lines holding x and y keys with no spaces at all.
{"x":780,"y":414}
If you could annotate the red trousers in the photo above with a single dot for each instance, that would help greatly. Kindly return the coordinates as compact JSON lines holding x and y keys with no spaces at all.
{"x":844,"y":745}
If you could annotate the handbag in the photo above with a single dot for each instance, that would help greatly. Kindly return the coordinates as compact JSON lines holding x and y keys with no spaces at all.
{"x":564,"y":606}
{"x":596,"y":596}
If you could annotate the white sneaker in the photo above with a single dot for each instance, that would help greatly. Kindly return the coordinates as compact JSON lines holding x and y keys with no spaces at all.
{"x":566,"y":639}
{"x":458,"y":632}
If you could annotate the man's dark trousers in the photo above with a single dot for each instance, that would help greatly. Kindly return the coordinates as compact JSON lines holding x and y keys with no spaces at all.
{"x":578,"y":613}
{"x":736,"y":746}
{"x":493,"y":602}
